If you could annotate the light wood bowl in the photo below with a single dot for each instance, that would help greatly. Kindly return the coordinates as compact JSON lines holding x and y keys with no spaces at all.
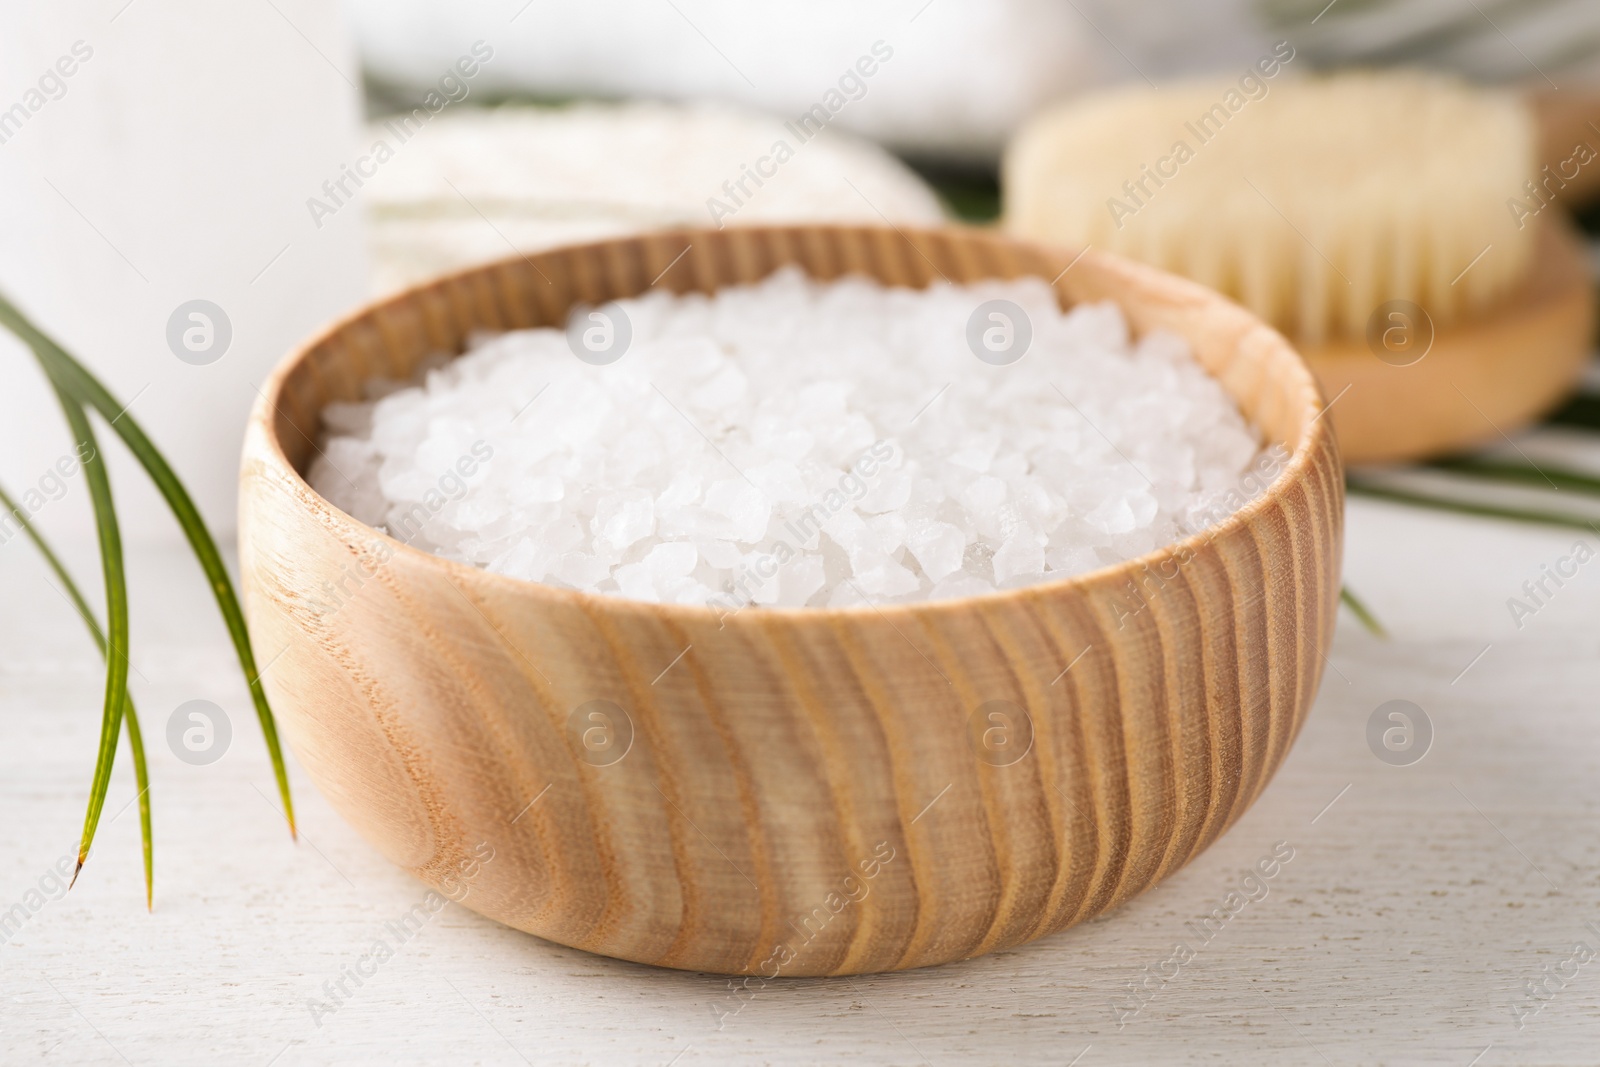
{"x":1481,"y":379}
{"x":803,"y":793}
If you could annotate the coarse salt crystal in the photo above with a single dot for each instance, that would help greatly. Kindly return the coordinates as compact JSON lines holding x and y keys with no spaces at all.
{"x":800,"y":443}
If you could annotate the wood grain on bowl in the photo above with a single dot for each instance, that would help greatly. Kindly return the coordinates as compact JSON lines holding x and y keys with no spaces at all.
{"x":789,"y":792}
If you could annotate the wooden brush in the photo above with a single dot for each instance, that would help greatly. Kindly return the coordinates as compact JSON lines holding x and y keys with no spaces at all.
{"x":1324,"y":205}
{"x":1311,"y":204}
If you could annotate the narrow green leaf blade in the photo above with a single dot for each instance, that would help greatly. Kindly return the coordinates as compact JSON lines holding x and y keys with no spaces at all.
{"x":1467,"y":507}
{"x":116,"y":592}
{"x":141,"y":780}
{"x":141,"y":771}
{"x":1541,"y":476}
{"x":1362,"y":613}
{"x":90,"y":391}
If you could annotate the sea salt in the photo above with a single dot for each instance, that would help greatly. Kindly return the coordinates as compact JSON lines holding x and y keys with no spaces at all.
{"x":799,"y":443}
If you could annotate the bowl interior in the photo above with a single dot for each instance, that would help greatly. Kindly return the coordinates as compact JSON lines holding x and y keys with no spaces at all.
{"x":390,"y":339}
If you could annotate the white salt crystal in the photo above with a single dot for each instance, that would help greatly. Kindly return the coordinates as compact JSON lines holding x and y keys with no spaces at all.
{"x":848,"y":530}
{"x":1124,"y":512}
{"x":744,"y":507}
{"x":959,"y":585}
{"x":671,"y":559}
{"x":978,"y":452}
{"x":767,"y":593}
{"x":780,"y":483}
{"x":798,"y":443}
{"x":984,"y":495}
{"x":938,"y":548}
{"x":1022,"y":555}
{"x":525,"y":559}
{"x":581,"y":570}
{"x":637,"y":581}
{"x":879,"y":577}
{"x":889,"y":493}
{"x":622,"y":521}
{"x":722,"y":555}
{"x":542,"y":489}
{"x":801,"y":579}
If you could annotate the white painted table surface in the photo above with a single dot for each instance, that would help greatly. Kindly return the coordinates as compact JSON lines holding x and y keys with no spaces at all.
{"x":1403,"y":930}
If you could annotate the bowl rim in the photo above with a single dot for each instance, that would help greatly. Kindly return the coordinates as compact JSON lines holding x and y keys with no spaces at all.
{"x":1314,"y":432}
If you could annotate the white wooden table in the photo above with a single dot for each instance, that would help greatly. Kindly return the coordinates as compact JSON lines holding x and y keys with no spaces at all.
{"x":1419,"y":901}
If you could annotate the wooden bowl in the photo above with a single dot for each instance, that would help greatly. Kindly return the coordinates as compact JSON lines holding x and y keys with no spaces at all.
{"x":788,"y":792}
{"x":1478,"y":380}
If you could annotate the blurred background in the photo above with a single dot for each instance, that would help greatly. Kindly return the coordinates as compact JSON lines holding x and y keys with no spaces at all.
{"x":281,"y":161}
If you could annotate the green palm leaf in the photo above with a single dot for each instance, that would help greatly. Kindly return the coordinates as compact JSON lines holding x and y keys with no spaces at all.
{"x":1537,"y":517}
{"x":116,"y":698}
{"x":1363,"y":614}
{"x":130,"y":716}
{"x":74,"y":383}
{"x":1542,"y":476}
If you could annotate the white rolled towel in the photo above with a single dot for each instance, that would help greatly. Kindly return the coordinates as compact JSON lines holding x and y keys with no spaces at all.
{"x":472,"y":184}
{"x":958,"y":78}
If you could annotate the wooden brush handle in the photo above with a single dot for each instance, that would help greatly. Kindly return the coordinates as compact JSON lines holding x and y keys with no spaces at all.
{"x":1570,"y":117}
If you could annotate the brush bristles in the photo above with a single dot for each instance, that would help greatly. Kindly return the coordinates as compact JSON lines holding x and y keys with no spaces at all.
{"x":1312,"y":203}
